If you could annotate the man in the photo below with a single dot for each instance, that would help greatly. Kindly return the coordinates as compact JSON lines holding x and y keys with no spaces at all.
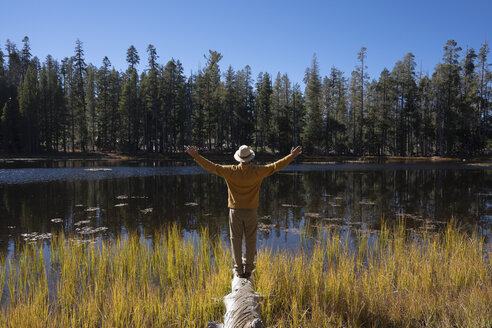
{"x":243,"y":183}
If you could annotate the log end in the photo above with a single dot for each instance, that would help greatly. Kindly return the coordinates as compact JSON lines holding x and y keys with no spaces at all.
{"x":257,"y":323}
{"x":238,"y":283}
{"x":214,"y":324}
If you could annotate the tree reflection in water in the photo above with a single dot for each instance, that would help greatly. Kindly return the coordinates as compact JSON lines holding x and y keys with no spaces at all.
{"x":350,"y":199}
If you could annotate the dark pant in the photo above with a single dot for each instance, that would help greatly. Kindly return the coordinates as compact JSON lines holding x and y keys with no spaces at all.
{"x":243,"y":222}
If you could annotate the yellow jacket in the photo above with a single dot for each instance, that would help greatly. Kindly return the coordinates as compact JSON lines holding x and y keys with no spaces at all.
{"x":243,"y":180}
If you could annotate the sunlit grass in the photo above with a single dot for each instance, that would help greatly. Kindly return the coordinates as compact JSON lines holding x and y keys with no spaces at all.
{"x":394,"y":280}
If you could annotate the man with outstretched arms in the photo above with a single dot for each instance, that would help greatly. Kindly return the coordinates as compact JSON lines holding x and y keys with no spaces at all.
{"x":243,"y":182}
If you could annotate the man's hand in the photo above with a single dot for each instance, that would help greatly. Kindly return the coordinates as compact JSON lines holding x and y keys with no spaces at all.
{"x":192,"y":150}
{"x":296,"y":151}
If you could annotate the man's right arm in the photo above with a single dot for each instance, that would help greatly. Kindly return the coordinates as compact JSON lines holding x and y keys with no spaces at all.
{"x":269,"y":169}
{"x":205,"y":163}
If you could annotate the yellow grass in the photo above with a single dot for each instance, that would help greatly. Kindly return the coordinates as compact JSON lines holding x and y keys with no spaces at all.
{"x":439,"y":280}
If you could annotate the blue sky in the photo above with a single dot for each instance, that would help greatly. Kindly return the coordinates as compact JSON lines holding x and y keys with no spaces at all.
{"x":269,"y":36}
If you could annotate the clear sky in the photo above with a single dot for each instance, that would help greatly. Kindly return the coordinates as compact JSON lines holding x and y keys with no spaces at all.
{"x":269,"y":36}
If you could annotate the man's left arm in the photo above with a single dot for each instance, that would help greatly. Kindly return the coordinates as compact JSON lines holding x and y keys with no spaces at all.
{"x":205,"y":163}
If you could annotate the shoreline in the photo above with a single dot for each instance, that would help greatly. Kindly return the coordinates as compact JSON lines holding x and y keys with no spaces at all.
{"x":181,"y":156}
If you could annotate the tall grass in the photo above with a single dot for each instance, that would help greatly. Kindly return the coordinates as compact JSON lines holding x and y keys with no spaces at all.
{"x":438,"y":280}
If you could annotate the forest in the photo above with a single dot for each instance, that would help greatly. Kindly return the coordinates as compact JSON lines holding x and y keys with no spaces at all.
{"x":73,"y":106}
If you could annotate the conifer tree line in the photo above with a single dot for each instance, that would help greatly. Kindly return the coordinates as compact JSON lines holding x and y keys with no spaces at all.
{"x":69,"y":105}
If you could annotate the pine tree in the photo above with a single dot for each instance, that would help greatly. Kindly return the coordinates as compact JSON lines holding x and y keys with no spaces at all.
{"x":132,"y":57}
{"x":298,"y":114}
{"x":51,"y":105}
{"x":280,"y":132}
{"x":198,"y":112}
{"x":78,"y":97}
{"x":181,"y":108}
{"x":357,"y":110}
{"x":231,"y":105}
{"x":336,"y":112}
{"x":4,"y":94}
{"x":263,"y":109}
{"x":167,"y":89}
{"x":25,"y":55}
{"x":273,"y":136}
{"x":2,"y":64}
{"x":29,"y":103}
{"x":11,"y":126}
{"x":64,"y":120}
{"x":484,"y":79}
{"x":14,"y":66}
{"x":361,"y":56}
{"x":403,"y":76}
{"x":129,"y":103}
{"x":211,"y":86}
{"x":383,"y":100}
{"x":11,"y":117}
{"x":173,"y":91}
{"x":189,"y":105}
{"x":413,"y":121}
{"x":428,"y":117}
{"x":68,"y":104}
{"x":90,"y":102}
{"x":4,"y":129}
{"x":327,"y":109}
{"x":150,"y":101}
{"x":372,"y":143}
{"x":128,"y":111}
{"x":244,"y":116}
{"x":342,"y":115}
{"x":468,"y":115}
{"x":115,"y":87}
{"x":58,"y":100}
{"x":285,"y":132}
{"x":103,"y":105}
{"x":312,"y":136}
{"x":446,"y":80}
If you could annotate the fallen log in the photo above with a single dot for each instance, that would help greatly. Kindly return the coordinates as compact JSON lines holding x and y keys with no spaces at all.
{"x":98,"y":169}
{"x":242,"y":306}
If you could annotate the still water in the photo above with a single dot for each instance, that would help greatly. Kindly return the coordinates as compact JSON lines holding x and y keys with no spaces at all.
{"x":39,"y":199}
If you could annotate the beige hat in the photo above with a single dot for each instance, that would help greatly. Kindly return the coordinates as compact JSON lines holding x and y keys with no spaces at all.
{"x":244,"y":154}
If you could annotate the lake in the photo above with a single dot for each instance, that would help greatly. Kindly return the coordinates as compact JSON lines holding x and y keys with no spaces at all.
{"x":42,"y":197}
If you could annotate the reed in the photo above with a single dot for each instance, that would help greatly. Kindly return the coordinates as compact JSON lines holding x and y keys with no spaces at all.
{"x":394,"y":279}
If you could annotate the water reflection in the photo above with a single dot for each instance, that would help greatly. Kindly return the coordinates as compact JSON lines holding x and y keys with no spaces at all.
{"x":349,"y":199}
